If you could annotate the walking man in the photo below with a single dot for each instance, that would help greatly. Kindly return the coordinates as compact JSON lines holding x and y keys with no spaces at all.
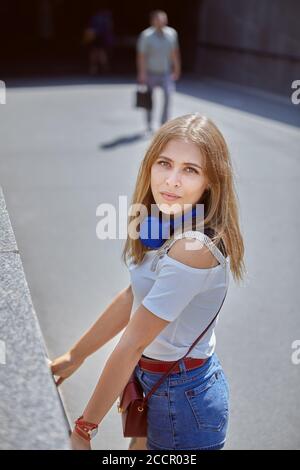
{"x":158,"y":60}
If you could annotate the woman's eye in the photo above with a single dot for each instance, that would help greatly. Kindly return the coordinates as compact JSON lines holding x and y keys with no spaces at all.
{"x":193,"y":170}
{"x":163,"y":163}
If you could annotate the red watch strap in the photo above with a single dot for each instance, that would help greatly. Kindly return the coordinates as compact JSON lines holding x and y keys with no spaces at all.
{"x":82,"y":433}
{"x":85,"y":424}
{"x":82,"y":427}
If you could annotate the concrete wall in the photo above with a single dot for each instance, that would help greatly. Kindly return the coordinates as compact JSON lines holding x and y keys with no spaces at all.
{"x":31,"y":411}
{"x":250,"y":42}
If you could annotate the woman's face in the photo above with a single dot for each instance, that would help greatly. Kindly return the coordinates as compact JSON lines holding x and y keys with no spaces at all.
{"x":178,"y":170}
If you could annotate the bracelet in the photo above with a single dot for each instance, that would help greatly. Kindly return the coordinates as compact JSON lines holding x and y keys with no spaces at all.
{"x":85,"y":429}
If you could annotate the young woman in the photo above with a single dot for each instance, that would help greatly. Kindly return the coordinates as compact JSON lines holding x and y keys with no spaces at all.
{"x":176,"y":290}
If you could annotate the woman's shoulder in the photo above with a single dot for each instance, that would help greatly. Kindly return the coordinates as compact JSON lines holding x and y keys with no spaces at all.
{"x":195,"y":255}
{"x":201,"y":253}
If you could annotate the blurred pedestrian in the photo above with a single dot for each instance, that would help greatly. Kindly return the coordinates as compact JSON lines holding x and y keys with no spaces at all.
{"x":158,"y":60}
{"x":98,"y":36}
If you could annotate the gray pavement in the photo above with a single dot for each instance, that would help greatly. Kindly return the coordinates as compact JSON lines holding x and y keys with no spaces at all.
{"x":66,"y":147}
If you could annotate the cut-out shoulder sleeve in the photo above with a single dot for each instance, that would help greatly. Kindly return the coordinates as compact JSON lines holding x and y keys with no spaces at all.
{"x":198,"y":257}
{"x":175,"y":287}
{"x":205,"y":240}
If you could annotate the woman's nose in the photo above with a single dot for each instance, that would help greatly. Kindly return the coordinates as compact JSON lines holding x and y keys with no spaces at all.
{"x":173,"y":178}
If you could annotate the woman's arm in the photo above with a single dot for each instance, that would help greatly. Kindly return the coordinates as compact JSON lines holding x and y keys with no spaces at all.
{"x":110,"y":323}
{"x":143,"y":327}
{"x":113,"y":320}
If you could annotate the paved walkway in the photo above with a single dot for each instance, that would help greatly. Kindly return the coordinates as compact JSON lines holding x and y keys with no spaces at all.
{"x":67,"y":146}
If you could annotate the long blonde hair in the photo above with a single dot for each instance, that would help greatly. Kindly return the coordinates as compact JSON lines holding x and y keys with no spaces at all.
{"x":220,"y":200}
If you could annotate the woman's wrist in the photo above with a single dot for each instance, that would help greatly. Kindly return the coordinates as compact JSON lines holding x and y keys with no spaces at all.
{"x":85,"y":429}
{"x":76,"y":355}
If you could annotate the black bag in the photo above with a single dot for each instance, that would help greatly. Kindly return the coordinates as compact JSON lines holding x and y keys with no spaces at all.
{"x":143,"y":98}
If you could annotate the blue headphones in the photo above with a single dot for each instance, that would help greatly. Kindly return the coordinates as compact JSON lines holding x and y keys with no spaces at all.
{"x":155,"y":230}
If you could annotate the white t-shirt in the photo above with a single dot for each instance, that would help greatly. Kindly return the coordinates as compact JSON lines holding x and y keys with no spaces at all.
{"x":188,"y":297}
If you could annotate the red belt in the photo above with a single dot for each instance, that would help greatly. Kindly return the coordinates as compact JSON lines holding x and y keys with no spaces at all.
{"x":154,"y":365}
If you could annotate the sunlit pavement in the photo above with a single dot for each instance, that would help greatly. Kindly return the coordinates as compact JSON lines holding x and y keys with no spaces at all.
{"x":69,"y":145}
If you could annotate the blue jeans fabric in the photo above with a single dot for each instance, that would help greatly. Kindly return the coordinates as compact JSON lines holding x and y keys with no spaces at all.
{"x":167,"y":84}
{"x":189,"y":410}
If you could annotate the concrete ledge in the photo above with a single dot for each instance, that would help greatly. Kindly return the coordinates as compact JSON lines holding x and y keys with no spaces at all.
{"x":31,"y":411}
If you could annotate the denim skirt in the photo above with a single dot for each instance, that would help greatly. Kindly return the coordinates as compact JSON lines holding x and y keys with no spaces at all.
{"x":189,"y":410}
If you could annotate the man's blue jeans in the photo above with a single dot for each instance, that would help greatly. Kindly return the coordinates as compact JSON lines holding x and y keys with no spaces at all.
{"x":164,"y":81}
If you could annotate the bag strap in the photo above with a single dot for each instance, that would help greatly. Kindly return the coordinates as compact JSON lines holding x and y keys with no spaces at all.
{"x":176,"y":362}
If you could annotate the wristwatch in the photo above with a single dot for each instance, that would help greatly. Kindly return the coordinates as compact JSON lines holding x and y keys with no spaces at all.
{"x":85,"y":429}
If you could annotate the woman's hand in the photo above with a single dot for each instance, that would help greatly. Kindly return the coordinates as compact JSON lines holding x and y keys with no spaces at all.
{"x":79,"y":443}
{"x":64,"y":366}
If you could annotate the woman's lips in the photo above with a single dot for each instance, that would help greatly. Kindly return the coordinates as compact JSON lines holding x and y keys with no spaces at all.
{"x":169,"y":198}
